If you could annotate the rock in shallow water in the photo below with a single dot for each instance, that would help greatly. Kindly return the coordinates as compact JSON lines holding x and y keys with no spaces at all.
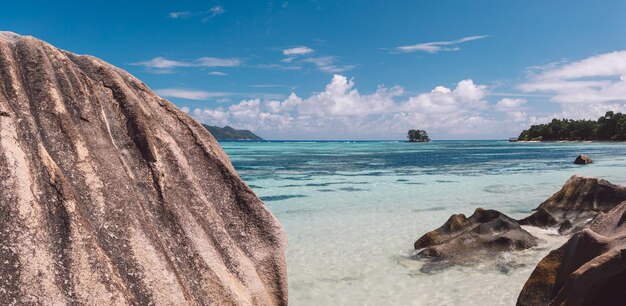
{"x":583,"y":160}
{"x":590,"y":269}
{"x":111,"y":195}
{"x":484,"y":234}
{"x":576,"y":204}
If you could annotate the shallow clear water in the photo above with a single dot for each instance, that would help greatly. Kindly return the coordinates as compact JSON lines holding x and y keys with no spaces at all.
{"x":352,"y":211}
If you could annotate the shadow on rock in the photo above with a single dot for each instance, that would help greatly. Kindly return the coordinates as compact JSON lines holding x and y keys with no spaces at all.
{"x":590,"y":269}
{"x":576,"y":204}
{"x":462,"y":240}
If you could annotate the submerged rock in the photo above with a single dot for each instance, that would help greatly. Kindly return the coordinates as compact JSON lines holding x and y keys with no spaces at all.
{"x":590,"y":269}
{"x":583,"y":160}
{"x":576,"y":204}
{"x":111,"y":195}
{"x":461,"y":240}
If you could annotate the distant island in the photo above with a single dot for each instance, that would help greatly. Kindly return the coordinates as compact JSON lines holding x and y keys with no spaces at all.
{"x":610,"y":127}
{"x":418,"y":136}
{"x":229,"y":133}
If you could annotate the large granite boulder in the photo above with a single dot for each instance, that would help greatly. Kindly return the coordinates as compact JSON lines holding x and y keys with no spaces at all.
{"x":481,"y":236}
{"x":110,"y":195}
{"x":590,"y":269}
{"x":576,"y":204}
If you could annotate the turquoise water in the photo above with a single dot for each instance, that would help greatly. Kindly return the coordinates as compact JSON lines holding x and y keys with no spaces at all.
{"x":352,"y":211}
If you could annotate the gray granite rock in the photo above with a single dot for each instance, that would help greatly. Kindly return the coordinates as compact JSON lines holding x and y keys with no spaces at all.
{"x":482,"y":236}
{"x":589,"y":269}
{"x":583,"y":160}
{"x":576,"y":204}
{"x":110,"y":194}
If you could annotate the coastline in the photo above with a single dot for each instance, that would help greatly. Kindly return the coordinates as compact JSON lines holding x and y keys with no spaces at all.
{"x":569,"y":141}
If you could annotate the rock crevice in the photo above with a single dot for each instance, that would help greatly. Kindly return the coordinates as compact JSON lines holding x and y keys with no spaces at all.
{"x":111,"y":195}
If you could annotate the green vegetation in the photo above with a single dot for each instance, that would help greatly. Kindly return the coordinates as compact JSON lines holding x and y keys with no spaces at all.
{"x":229,"y":133}
{"x":611,"y":126}
{"x":418,"y":136}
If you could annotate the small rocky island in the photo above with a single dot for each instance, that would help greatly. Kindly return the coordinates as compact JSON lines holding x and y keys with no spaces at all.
{"x":415,"y":135}
{"x":229,"y":133}
{"x":583,"y":160}
{"x":111,"y":195}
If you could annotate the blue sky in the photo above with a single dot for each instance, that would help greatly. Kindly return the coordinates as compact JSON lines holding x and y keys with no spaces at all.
{"x":355,"y":69}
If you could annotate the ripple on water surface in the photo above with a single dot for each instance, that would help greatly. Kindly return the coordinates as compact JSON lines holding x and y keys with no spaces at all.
{"x":353,"y":210}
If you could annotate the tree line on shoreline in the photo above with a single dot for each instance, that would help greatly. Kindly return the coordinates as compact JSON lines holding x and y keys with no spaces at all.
{"x":611,"y":126}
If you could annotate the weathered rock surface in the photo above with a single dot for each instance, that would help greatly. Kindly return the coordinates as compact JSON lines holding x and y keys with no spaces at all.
{"x":576,"y":204}
{"x":111,"y":195}
{"x":484,"y":234}
{"x":590,"y":269}
{"x":583,"y":160}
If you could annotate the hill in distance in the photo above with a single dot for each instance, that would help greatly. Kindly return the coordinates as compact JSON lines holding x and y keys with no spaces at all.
{"x":229,"y":133}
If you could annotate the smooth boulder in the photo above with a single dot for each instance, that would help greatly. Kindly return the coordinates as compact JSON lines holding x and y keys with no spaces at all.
{"x":111,"y":195}
{"x":579,"y":201}
{"x":583,"y":160}
{"x":484,"y":234}
{"x":590,"y":269}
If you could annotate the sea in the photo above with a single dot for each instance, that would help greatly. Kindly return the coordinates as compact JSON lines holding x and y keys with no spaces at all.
{"x":353,"y":209}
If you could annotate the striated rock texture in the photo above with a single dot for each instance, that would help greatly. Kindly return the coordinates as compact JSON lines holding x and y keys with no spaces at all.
{"x":484,"y":234}
{"x":590,"y":269}
{"x":577,"y":203}
{"x":111,"y":195}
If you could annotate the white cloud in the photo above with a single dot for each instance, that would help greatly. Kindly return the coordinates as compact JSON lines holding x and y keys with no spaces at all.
{"x":586,"y":88}
{"x":206,"y":15}
{"x":189,"y":94}
{"x":181,"y":14}
{"x":217,"y":10}
{"x":302,"y":50}
{"x":327,"y":64}
{"x":510,"y":104}
{"x":278,"y":67}
{"x":341,"y":111}
{"x":163,"y":65}
{"x":518,"y":116}
{"x":217,"y":62}
{"x":438,"y":46}
{"x":217,"y":73}
{"x":514,"y":110}
{"x":160,"y":63}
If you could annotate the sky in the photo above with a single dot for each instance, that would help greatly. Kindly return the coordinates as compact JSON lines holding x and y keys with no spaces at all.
{"x":315,"y":69}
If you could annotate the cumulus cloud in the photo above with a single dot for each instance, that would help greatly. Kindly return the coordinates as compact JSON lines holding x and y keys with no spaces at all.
{"x":510,"y":104}
{"x":585,"y":88}
{"x":189,"y":94}
{"x":341,"y":111}
{"x":438,"y":46}
{"x":514,"y":109}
